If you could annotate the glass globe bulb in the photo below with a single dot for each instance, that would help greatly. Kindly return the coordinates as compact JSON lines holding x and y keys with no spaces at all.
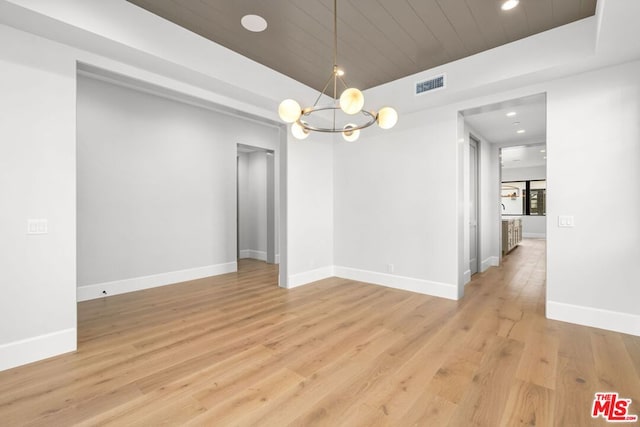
{"x":351,"y":101}
{"x":289,"y":110}
{"x":387,"y":118}
{"x":299,"y":132}
{"x":349,"y":133}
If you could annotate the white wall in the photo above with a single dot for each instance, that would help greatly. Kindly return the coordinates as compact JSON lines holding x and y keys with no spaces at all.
{"x":586,"y":283}
{"x":394,"y":192}
{"x":37,"y":180}
{"x":534,"y":227}
{"x":593,"y":146}
{"x":310,"y":213}
{"x":524,"y":174}
{"x":156,"y":188}
{"x":252,"y":181}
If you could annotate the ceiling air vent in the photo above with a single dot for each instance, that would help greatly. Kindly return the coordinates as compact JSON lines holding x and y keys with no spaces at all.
{"x":434,"y":83}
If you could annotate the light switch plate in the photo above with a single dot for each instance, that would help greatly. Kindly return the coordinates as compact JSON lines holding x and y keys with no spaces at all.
{"x":37,"y":226}
{"x":566,"y":221}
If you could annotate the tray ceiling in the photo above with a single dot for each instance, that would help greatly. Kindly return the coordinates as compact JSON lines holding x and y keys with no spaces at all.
{"x":379,"y":40}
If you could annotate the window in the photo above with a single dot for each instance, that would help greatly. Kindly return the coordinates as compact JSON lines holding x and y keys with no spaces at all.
{"x":524,"y":197}
{"x":537,"y":198}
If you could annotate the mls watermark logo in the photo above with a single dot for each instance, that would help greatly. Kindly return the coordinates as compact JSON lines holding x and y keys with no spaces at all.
{"x":612,"y":408}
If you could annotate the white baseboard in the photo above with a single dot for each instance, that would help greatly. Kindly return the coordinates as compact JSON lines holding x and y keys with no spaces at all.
{"x":307,"y":277}
{"x":260,"y":255}
{"x":595,"y":317}
{"x":534,"y":235}
{"x":466,"y":276}
{"x":492,"y":261}
{"x":420,"y":286}
{"x":30,"y":350}
{"x":89,"y":292}
{"x":253,"y":254}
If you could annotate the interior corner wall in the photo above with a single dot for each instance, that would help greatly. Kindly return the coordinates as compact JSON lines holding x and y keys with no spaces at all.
{"x":37,"y":181}
{"x":252,"y":186}
{"x":593,"y":150}
{"x":394,"y":195}
{"x":156,"y":189}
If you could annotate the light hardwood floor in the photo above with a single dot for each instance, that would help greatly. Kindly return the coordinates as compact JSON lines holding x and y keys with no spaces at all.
{"x":238,"y":350}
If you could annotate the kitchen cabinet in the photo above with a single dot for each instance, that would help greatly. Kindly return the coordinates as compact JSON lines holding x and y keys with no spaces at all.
{"x":511,"y":234}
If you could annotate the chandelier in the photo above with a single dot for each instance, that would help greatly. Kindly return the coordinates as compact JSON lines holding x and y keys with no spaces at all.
{"x":348,"y":108}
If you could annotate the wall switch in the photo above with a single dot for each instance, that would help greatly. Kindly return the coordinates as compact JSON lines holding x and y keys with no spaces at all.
{"x":565,"y":221}
{"x":37,"y":226}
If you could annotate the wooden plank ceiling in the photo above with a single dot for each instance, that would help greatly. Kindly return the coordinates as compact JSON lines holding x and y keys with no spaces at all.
{"x":379,"y":40}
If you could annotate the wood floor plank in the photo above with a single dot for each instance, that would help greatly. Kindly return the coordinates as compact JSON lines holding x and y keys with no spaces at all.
{"x":575,"y":388}
{"x":345,"y":368}
{"x":428,"y":410}
{"x":528,"y":405}
{"x":484,"y":400}
{"x":633,"y":349}
{"x":236,"y":349}
{"x":336,"y":406}
{"x":245,"y":404}
{"x":613,"y":365}
{"x":539,"y":361}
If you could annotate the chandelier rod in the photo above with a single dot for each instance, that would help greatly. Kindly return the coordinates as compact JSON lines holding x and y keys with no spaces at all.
{"x":335,"y":34}
{"x":335,"y":58}
{"x":323,"y":90}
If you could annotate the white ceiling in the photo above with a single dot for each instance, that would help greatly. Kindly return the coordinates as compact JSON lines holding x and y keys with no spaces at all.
{"x":520,"y":150}
{"x":493,"y":124}
{"x":524,"y":156}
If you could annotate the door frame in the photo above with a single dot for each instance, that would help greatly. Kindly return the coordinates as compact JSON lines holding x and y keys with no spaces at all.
{"x":475,"y":200}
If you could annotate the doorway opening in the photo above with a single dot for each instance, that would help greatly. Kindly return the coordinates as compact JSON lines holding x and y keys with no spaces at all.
{"x":503,"y":162}
{"x":256,"y":204}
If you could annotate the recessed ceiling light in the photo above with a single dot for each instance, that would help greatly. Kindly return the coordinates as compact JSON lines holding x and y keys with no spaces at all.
{"x":545,"y":157}
{"x":510,"y":4}
{"x":254,"y":23}
{"x":543,"y":151}
{"x":511,"y":114}
{"x":520,"y":131}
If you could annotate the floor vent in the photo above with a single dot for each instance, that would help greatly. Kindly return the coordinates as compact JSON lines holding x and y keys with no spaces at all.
{"x":434,"y":83}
